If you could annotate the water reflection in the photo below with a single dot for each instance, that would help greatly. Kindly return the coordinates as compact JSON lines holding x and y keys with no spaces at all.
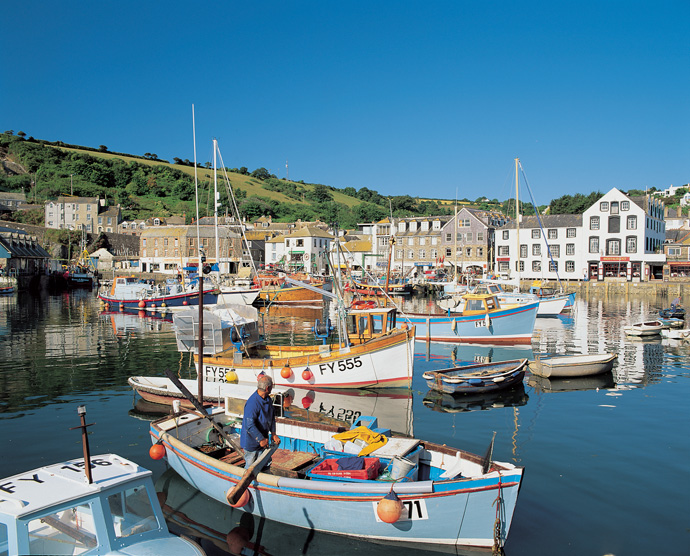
{"x":544,"y":385}
{"x":220,"y":529}
{"x":449,"y":403}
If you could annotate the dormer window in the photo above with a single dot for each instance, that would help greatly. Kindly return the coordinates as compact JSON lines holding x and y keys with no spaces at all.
{"x":413,"y":226}
{"x":604,"y":206}
{"x":425,"y":226}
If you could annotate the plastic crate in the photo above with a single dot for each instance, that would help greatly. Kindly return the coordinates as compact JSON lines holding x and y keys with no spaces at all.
{"x":329,"y":468}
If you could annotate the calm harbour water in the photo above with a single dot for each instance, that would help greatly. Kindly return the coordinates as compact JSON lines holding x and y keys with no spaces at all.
{"x":606,"y":458}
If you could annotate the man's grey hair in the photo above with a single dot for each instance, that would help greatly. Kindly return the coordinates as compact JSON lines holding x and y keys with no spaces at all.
{"x":264,"y":382}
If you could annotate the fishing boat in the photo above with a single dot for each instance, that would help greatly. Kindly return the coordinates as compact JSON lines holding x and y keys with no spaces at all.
{"x":392,"y":407}
{"x":474,"y":379}
{"x":480,"y":320}
{"x":406,"y":491}
{"x":573,"y":365}
{"x":650,"y":328}
{"x":8,"y":285}
{"x":102,"y":504}
{"x":671,"y":322}
{"x":132,"y":293}
{"x":549,"y":306}
{"x":372,"y":352}
{"x":674,"y":311}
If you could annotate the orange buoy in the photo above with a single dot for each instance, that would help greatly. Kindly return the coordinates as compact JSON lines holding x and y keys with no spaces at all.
{"x":153,"y":305}
{"x":122,"y":307}
{"x":403,"y":326}
{"x":244,"y":500}
{"x":390,"y":507}
{"x":184,"y":303}
{"x":307,"y":374}
{"x":157,"y":451}
{"x":286,"y":371}
{"x":142,"y":304}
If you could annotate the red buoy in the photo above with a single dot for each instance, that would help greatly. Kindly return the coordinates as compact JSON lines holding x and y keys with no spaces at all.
{"x":157,"y":451}
{"x":307,"y":374}
{"x":142,"y":304}
{"x":308,"y":400}
{"x":286,"y":372}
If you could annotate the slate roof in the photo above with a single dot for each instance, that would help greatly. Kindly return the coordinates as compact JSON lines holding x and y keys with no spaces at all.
{"x":547,"y":220}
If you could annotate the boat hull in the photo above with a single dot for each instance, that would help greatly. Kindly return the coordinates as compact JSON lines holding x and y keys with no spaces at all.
{"x":456,"y":512}
{"x":505,"y":326}
{"x":174,"y":300}
{"x":295,"y":294}
{"x":477,"y":379}
{"x":384,"y":362}
{"x":574,"y":366}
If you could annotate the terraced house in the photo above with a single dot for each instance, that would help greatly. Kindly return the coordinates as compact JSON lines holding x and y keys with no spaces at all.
{"x":418,"y":243}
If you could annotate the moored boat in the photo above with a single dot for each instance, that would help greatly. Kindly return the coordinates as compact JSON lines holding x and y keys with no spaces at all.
{"x":104,"y":504}
{"x":371,"y":353}
{"x":649,"y":328}
{"x":481,"y":320}
{"x":484,"y":377}
{"x":132,"y":293}
{"x":573,"y":365}
{"x":440,"y":495}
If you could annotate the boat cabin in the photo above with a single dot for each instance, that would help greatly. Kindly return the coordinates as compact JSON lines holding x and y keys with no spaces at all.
{"x":125,"y":287}
{"x":479,"y":304}
{"x":371,"y":322}
{"x":54,"y":510}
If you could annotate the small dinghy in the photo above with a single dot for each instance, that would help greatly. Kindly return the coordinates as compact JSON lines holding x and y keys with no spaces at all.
{"x":573,"y":365}
{"x":676,"y":334}
{"x":485,"y":377}
{"x":651,"y":328}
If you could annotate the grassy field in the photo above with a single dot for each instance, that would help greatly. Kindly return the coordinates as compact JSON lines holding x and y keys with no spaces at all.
{"x":249,"y":184}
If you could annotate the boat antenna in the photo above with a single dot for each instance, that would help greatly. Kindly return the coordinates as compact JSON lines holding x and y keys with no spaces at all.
{"x":81,"y":410}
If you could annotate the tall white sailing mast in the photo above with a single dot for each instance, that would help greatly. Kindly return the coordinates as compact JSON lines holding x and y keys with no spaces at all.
{"x":517,"y":223}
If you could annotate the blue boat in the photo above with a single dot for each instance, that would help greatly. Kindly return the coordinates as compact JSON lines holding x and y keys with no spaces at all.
{"x":477,"y":379}
{"x":482,"y":320}
{"x":129,"y":292}
{"x":441,"y":496}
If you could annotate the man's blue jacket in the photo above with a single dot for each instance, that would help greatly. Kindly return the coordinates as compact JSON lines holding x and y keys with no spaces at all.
{"x":258,"y":422}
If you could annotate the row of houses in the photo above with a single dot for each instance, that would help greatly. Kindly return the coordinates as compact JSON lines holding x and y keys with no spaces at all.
{"x":617,"y":237}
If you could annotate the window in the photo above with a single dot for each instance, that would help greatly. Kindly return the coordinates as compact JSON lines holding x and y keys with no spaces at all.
{"x":399,"y":254}
{"x":413,"y":226}
{"x":465,"y":223}
{"x":555,"y":250}
{"x":383,"y":241}
{"x":300,"y":243}
{"x":536,"y":249}
{"x":459,"y":236}
{"x":480,"y":252}
{"x":449,"y":252}
{"x":632,"y":223}
{"x":425,"y":226}
{"x":520,"y":266}
{"x":594,"y":223}
{"x":570,"y":266}
{"x":505,"y":234}
{"x":569,"y":248}
{"x":132,"y":512}
{"x":480,"y":237}
{"x":570,"y":232}
{"x":410,"y":241}
{"x":287,"y":243}
{"x":553,"y":266}
{"x":613,"y":247}
{"x":422,"y":253}
{"x":604,"y":206}
{"x":468,"y":251}
{"x":436,"y":225}
{"x":535,"y":233}
{"x":165,"y":241}
{"x":434,"y":254}
{"x":503,"y":266}
{"x":449,"y":238}
{"x":594,"y":244}
{"x":614,"y":224}
{"x":434,"y":240}
{"x":143,"y":242}
{"x":469,"y":238}
{"x":422,"y":241}
{"x":503,"y":250}
{"x":631,"y":244}
{"x":614,"y":207}
{"x":625,"y":205}
{"x":523,"y":251}
{"x":401,"y":226}
{"x":536,"y":266}
{"x":553,"y":234}
{"x":674,"y":251}
{"x":51,"y":530}
{"x":410,"y":254}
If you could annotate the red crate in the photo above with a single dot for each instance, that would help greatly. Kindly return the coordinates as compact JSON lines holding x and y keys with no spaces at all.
{"x":329,"y":467}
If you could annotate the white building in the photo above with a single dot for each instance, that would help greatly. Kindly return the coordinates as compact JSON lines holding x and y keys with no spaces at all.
{"x":305,"y":250}
{"x":625,"y":237}
{"x":617,"y":237}
{"x":551,"y":247}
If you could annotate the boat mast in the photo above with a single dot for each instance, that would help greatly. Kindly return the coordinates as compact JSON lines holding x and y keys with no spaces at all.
{"x":216,"y":196}
{"x":455,"y":248}
{"x":517,"y":222}
{"x":200,"y":273}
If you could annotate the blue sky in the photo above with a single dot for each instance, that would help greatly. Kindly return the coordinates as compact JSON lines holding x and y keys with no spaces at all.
{"x":417,"y":98}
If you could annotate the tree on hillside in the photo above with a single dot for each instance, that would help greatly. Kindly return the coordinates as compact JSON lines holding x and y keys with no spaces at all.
{"x":103,"y":148}
{"x":320,"y":194}
{"x":573,"y":204}
{"x":261,"y":174}
{"x":21,"y":134}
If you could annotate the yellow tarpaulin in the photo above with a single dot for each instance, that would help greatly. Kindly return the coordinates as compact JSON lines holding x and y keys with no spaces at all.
{"x":373,"y":439}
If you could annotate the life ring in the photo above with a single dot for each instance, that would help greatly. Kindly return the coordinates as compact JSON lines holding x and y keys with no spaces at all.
{"x":361,"y":304}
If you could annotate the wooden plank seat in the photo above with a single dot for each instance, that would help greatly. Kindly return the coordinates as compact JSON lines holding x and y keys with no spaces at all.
{"x":286,"y":463}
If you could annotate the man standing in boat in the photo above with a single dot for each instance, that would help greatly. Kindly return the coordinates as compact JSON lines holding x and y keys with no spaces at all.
{"x":259,"y":422}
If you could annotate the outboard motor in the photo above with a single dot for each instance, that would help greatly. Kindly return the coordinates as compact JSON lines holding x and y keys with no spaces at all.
{"x":322,"y":329}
